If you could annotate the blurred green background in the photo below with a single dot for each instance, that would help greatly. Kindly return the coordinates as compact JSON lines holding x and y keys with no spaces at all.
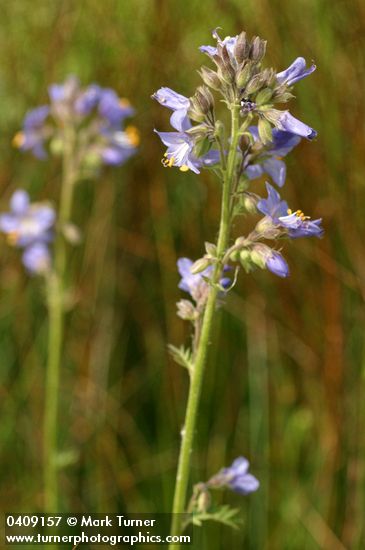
{"x":285,"y":383}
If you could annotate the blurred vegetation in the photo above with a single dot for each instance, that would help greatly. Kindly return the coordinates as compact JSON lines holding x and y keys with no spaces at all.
{"x":285,"y":384}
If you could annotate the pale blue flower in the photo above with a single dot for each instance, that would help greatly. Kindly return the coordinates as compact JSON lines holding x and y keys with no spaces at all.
{"x":296,"y":224}
{"x":178,"y":103}
{"x":27,"y":223}
{"x":296,"y":71}
{"x":288,"y":123}
{"x":34,"y":132}
{"x":269,"y":160}
{"x":36,"y":258}
{"x":236,"y":477}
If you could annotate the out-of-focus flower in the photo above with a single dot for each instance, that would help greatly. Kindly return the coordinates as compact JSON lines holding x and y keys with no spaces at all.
{"x":296,"y":71}
{"x":97,"y":116}
{"x":236,"y":477}
{"x":27,"y":223}
{"x":296,"y":224}
{"x":268,"y":161}
{"x":36,"y":258}
{"x":178,"y":103}
{"x":34,"y":132}
{"x":29,"y":226}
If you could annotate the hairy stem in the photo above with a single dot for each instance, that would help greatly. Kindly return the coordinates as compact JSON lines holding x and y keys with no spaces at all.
{"x":55,"y":303}
{"x":187,"y":434}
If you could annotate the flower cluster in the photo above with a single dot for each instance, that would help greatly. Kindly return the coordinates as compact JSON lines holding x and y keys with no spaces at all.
{"x":267,"y":135}
{"x":29,"y":226}
{"x":97,"y":115}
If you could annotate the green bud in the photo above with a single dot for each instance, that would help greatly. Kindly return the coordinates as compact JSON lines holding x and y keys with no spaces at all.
{"x":245,"y":259}
{"x":263,"y":96}
{"x":258,"y":259}
{"x":199,"y":266}
{"x":255,"y":84}
{"x":265,"y":131}
{"x":243,"y":75}
{"x":211,"y":249}
{"x":210,"y":78}
{"x":250,"y":203}
{"x":202,"y":147}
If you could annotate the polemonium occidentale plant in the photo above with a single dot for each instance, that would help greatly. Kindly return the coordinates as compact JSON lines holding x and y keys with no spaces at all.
{"x":259,"y":136}
{"x":85,"y":127}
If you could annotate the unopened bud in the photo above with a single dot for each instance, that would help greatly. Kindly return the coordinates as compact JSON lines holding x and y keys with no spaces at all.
{"x":199,"y":266}
{"x":265,"y":132}
{"x":264,"y":96}
{"x":243,"y":75}
{"x":186,"y":310}
{"x":211,"y":249}
{"x":258,"y":49}
{"x":241,"y":48}
{"x":250,"y":203}
{"x":210,"y":78}
{"x":255,"y":84}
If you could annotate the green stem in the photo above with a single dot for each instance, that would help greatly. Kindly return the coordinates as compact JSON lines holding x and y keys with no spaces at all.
{"x":55,"y":303}
{"x":183,"y":470}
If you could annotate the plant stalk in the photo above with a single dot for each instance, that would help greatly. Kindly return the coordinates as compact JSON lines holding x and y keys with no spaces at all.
{"x":56,"y":310}
{"x":187,"y":434}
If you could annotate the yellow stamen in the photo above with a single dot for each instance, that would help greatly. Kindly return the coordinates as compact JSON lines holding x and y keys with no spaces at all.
{"x":18,"y":139}
{"x":133,"y":135}
{"x":168,"y":162}
{"x":124,"y":102}
{"x":299,"y":214}
{"x":184,"y":168}
{"x":279,"y":158}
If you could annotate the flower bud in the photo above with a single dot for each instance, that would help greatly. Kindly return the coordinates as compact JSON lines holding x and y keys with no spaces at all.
{"x":265,"y":132}
{"x":258,"y":49}
{"x":243,"y":75}
{"x":186,"y":310}
{"x":210,"y":78}
{"x":199,"y":266}
{"x":241,"y":48}
{"x":250,"y":203}
{"x":264,"y":96}
{"x":211,"y":249}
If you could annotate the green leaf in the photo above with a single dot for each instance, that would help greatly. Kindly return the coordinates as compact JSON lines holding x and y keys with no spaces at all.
{"x":182,"y":356}
{"x":222,"y":514}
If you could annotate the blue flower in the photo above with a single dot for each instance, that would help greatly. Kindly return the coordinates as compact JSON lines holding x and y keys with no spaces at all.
{"x":288,"y":123}
{"x":29,"y":226}
{"x":178,"y":103}
{"x":229,"y":42}
{"x":36,"y":258}
{"x":112,"y":108}
{"x":269,"y":161}
{"x":27,"y":223}
{"x":34,"y":133}
{"x":277,"y":264}
{"x":98,"y":114}
{"x":180,"y":146}
{"x":236,"y":478}
{"x":296,"y":71}
{"x":296,"y":223}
